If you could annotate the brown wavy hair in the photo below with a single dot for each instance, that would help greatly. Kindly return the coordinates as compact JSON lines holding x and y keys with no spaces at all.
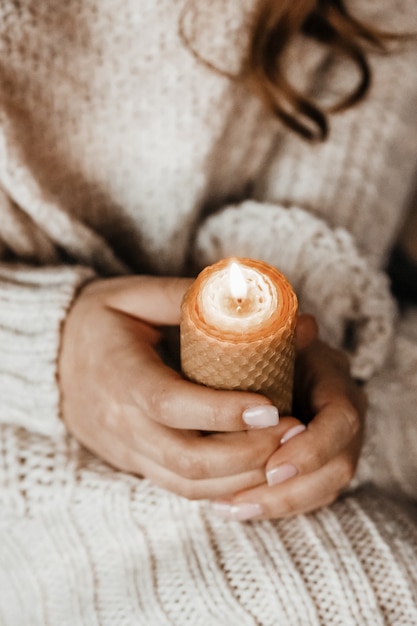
{"x":277,"y":23}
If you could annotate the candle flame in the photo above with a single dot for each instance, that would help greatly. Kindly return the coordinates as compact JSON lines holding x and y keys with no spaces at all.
{"x":238,"y":286}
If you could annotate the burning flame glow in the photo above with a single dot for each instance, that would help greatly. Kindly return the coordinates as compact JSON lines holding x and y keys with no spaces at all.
{"x":238,"y":286}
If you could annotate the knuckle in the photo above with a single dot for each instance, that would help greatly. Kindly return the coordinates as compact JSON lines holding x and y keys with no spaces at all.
{"x":346,"y":470}
{"x":127,"y":463}
{"x":112,"y":416}
{"x":217,"y":418}
{"x":186,"y":489}
{"x":259,"y":450}
{"x":332,"y":497}
{"x":314,"y":458}
{"x":288,"y":505}
{"x":222,"y":416}
{"x":352,"y":419}
{"x":162,"y":400}
{"x":187,"y":463}
{"x":175,"y":287}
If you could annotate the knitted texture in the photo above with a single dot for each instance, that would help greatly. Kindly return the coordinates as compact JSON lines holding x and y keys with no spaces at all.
{"x":113,"y":550}
{"x":306,"y":250}
{"x":121,"y":151}
{"x":29,"y":394}
{"x":391,"y":433}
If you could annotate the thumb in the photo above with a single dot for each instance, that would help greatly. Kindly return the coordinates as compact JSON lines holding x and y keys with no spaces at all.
{"x":153,"y":299}
{"x":306,"y":331}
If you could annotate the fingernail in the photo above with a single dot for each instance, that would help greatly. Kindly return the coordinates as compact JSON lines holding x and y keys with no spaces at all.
{"x":222,"y":509}
{"x":238,"y":512}
{"x":280,"y":473}
{"x":292,"y":432}
{"x":246,"y":510}
{"x":261,"y":416}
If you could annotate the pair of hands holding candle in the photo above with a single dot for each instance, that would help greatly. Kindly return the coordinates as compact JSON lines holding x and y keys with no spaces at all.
{"x":122,"y":402}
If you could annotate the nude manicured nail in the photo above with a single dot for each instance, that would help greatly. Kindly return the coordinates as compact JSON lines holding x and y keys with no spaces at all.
{"x":280,"y":473}
{"x":222,"y":509}
{"x":238,"y":512}
{"x":261,"y":416}
{"x":292,"y":432}
{"x":246,"y":510}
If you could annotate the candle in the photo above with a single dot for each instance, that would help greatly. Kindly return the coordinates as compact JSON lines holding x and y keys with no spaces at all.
{"x":237,"y":330}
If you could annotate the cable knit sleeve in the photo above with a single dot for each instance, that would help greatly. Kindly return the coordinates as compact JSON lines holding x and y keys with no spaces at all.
{"x":33,"y":305}
{"x":389,"y":455}
{"x":38,"y":240}
{"x":331,"y":279}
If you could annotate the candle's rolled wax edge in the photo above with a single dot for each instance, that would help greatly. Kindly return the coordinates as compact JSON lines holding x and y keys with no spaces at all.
{"x":284,"y":316}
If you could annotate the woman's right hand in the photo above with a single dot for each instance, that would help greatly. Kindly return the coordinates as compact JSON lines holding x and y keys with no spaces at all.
{"x":123,"y":403}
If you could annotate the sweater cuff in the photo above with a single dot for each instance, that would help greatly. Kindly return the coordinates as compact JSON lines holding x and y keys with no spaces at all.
{"x":389,"y":453}
{"x":33,"y":306}
{"x":350,"y":299}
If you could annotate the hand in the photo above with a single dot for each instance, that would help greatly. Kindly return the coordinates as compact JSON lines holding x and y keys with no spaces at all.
{"x":315,"y":462}
{"x":123,"y":403}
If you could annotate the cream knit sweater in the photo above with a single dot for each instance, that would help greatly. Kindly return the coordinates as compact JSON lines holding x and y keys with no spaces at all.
{"x":121,"y":152}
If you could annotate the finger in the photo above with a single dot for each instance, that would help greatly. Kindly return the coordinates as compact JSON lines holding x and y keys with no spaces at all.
{"x":185,"y":453}
{"x":320,"y":370}
{"x":189,"y":488}
{"x":184,"y":483}
{"x":153,"y":299}
{"x":306,"y":331}
{"x":195,"y":456}
{"x":336,"y":427}
{"x":163,"y":395}
{"x":299,"y":495}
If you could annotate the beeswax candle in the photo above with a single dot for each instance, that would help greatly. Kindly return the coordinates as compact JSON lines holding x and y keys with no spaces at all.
{"x":237,"y":330}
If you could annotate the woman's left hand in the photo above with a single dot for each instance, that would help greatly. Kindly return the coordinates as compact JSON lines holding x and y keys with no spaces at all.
{"x":313,"y":463}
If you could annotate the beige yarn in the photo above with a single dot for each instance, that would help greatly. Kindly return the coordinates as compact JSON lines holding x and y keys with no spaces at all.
{"x":112,"y":550}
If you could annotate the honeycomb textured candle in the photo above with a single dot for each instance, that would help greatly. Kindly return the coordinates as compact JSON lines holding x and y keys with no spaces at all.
{"x":245,"y":343}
